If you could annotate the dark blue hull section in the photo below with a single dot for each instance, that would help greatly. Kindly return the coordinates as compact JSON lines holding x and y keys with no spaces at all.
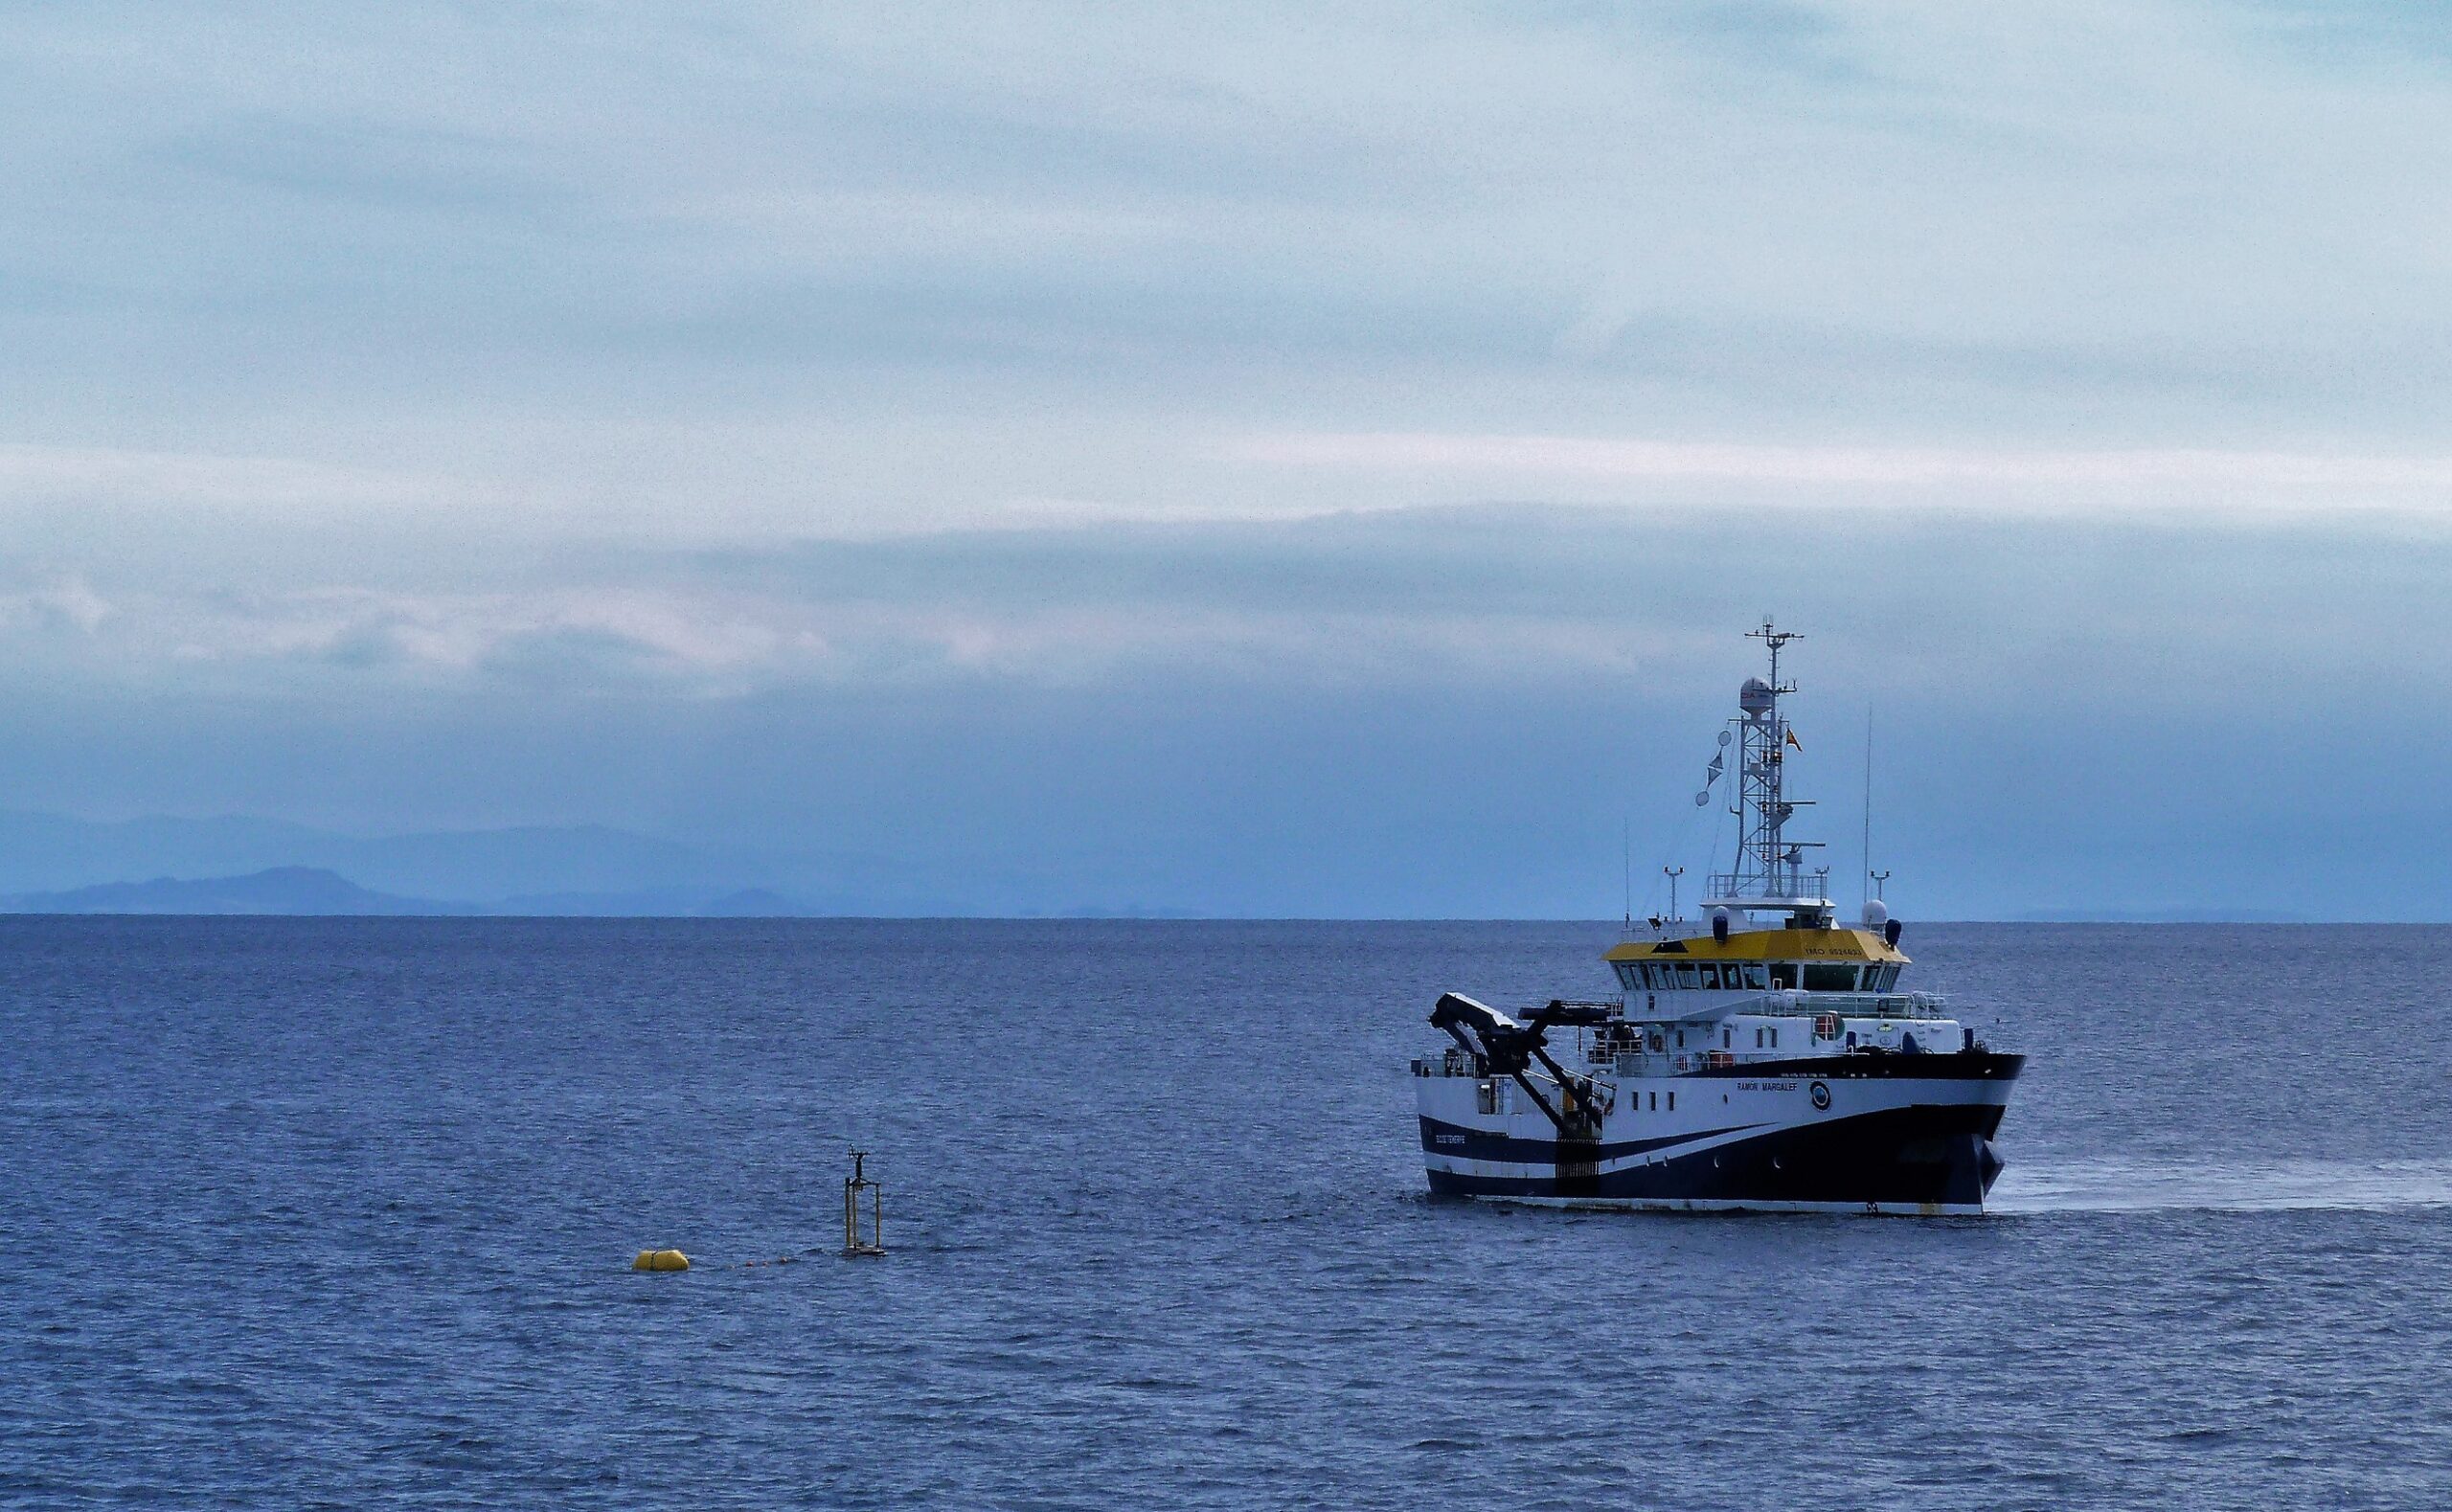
{"x":1928,"y":1154}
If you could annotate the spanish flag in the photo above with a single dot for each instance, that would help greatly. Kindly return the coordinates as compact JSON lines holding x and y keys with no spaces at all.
{"x":1794,"y":741}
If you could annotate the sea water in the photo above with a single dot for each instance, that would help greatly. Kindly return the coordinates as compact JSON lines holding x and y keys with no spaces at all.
{"x":340,"y":1212}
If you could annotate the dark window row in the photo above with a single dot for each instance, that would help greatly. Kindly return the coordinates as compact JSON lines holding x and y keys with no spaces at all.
{"x":1755,"y":975}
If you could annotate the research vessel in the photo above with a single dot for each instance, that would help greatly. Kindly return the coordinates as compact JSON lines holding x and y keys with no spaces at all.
{"x":1762,"y":1057}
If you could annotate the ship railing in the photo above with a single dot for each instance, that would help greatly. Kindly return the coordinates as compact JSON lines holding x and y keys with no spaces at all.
{"x":1739,"y":887}
{"x":1871,"y":1004}
{"x":1801,"y":1000}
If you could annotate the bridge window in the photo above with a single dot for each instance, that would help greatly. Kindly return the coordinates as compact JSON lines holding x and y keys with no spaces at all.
{"x":1756,"y":977}
{"x":1783,"y":973}
{"x":1686,"y":977}
{"x":1823,"y":977}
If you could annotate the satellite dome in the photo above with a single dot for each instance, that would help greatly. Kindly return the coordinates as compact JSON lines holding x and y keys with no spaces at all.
{"x":1755,"y":697}
{"x":1876,"y":913}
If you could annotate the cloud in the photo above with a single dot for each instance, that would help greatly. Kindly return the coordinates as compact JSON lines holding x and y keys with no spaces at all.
{"x":1311,"y":715}
{"x":449,"y":379}
{"x":275,"y":488}
{"x":2031,"y":608}
{"x":2238,"y":480}
{"x":70,"y":604}
{"x":774,"y":272}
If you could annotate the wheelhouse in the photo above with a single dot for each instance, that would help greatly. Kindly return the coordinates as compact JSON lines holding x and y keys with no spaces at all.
{"x":1761,"y":960}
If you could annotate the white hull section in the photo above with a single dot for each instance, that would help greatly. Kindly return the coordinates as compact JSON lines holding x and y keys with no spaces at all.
{"x":1846,"y":1134}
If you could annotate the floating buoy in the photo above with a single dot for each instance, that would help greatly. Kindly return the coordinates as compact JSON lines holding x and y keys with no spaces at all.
{"x":660,"y":1260}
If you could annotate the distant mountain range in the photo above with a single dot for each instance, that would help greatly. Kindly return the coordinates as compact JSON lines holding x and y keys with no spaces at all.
{"x":278,"y":890}
{"x":314,"y":890}
{"x":2168,"y":914}
{"x":50,"y":862}
{"x":53,"y":852}
{"x":54,"y":863}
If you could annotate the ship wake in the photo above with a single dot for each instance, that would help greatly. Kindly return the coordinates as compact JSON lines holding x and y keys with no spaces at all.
{"x":2037,"y":1185}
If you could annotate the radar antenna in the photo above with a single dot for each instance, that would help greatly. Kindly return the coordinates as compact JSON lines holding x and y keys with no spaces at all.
{"x":1770,"y":871}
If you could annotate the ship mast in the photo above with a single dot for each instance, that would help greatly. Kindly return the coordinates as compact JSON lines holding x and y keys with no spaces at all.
{"x":1770,"y":871}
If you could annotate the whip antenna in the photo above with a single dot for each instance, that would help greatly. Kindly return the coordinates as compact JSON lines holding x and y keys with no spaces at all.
{"x":1866,"y":881}
{"x":1627,"y":866}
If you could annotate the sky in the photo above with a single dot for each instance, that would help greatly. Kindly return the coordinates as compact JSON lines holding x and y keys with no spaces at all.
{"x":1246,"y":460}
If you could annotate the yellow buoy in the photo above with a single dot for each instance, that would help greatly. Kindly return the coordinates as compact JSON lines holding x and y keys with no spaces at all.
{"x":660,"y":1260}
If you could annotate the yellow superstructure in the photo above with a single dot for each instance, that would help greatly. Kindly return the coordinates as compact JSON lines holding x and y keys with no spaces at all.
{"x":1766,"y":945}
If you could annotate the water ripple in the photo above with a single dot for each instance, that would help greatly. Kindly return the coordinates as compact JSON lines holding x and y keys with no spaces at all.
{"x":1158,"y":1230}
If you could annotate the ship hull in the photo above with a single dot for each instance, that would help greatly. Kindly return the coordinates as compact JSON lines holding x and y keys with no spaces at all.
{"x":1839,"y":1135}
